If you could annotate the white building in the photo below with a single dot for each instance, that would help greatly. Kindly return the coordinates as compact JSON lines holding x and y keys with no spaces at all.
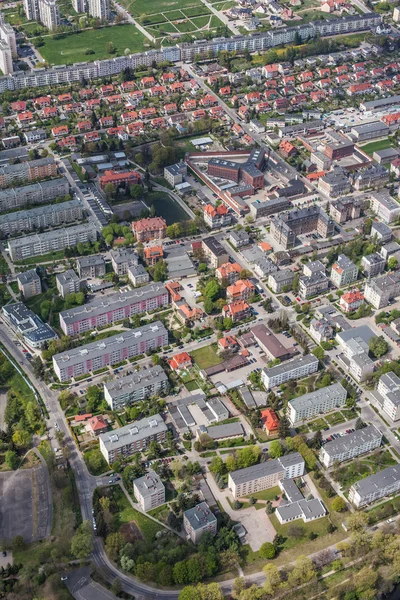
{"x":49,"y":14}
{"x":389,"y":389}
{"x":381,"y":290}
{"x":376,"y":486}
{"x":354,"y":344}
{"x":138,"y":275}
{"x":68,"y":283}
{"x":6,"y":64}
{"x":296,"y":506}
{"x":149,"y":491}
{"x":7,"y":33}
{"x":344,"y":271}
{"x":321,"y":401}
{"x":384,"y":206}
{"x":198,"y":520}
{"x":28,"y":325}
{"x":350,"y":445}
{"x":137,"y":386}
{"x":29,"y":283}
{"x":99,"y":9}
{"x":292,"y":369}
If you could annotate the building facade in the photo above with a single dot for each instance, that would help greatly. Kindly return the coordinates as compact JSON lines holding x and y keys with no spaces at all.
{"x":376,"y":486}
{"x":293,"y":369}
{"x":52,"y":215}
{"x":149,"y":491}
{"x":318,"y":402}
{"x":199,"y":520}
{"x":137,"y":386}
{"x":29,"y":283}
{"x":68,"y":283}
{"x":351,"y":445}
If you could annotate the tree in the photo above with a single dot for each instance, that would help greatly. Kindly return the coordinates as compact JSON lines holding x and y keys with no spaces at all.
{"x":17,"y":543}
{"x":317,"y":440}
{"x":21,"y":438}
{"x":267,"y":550}
{"x":11,"y":459}
{"x":208,"y":306}
{"x":160,"y":271}
{"x":109,"y":190}
{"x":318,"y":352}
{"x":304,"y":571}
{"x":359,"y":424}
{"x":284,"y":427}
{"x":211,"y":290}
{"x":378,"y":346}
{"x":392,"y":263}
{"x":275,"y":449}
{"x":273,"y":578}
{"x":338,"y":504}
{"x":356,"y":521}
{"x":82,"y":541}
{"x":136,"y":191}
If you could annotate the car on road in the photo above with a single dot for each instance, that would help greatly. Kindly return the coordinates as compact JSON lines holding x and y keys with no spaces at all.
{"x":64,"y":578}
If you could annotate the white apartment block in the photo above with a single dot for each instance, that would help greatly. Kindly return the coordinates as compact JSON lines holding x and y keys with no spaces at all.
{"x":381,"y":290}
{"x":37,"y":193}
{"x":68,"y":283}
{"x":321,"y":401}
{"x":122,"y":259}
{"x":58,"y":239}
{"x":6,"y":64}
{"x":135,"y":387}
{"x":100,"y":9}
{"x":292,"y":369}
{"x":149,"y":491}
{"x":354,"y":344}
{"x":265,"y":475}
{"x":29,"y":283}
{"x":344,"y":271}
{"x":350,"y":445}
{"x":384,"y":206}
{"x":49,"y":14}
{"x":199,"y":520}
{"x":389,"y":389}
{"x":384,"y":483}
{"x":7,"y":34}
{"x":138,"y":275}
{"x":52,"y":215}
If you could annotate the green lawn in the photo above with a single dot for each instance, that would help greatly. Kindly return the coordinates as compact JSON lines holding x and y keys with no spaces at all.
{"x":127,"y":514}
{"x":335,"y":418}
{"x":267,"y":494}
{"x":72,"y":48}
{"x":378,"y":145}
{"x":317,"y":424}
{"x":206,"y":357}
{"x":319,"y":527}
{"x":192,"y":385}
{"x":349,"y":414}
{"x":150,"y":7}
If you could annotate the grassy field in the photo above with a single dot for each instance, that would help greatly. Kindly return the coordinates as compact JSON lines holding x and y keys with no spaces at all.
{"x":127,"y":514}
{"x":378,"y":145}
{"x":268,"y":494}
{"x":335,"y":418}
{"x":319,"y":527}
{"x":206,"y":357}
{"x":150,"y":7}
{"x":317,"y":424}
{"x":71,"y":49}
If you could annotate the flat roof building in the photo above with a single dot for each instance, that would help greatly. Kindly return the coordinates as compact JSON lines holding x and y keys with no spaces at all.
{"x":374,"y":487}
{"x":293,"y":369}
{"x":29,"y":283}
{"x":389,"y":389}
{"x":321,"y":401}
{"x":139,"y":385}
{"x":198,"y":520}
{"x":68,"y":283}
{"x":350,"y":445}
{"x":149,"y":491}
{"x":28,"y":324}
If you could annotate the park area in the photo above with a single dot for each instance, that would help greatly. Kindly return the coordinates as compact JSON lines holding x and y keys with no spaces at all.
{"x":92,"y":44}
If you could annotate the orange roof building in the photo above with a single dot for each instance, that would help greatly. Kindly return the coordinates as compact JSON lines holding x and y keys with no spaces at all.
{"x":152,"y":254}
{"x":98,"y":425}
{"x":174,"y":287}
{"x":229,"y":272}
{"x":228,"y":343}
{"x":237,"y":311}
{"x":270,"y":421}
{"x":286,"y":148}
{"x":149,"y":229}
{"x":351,"y":301}
{"x":216,"y":216}
{"x":180,"y":361}
{"x":242,"y":289}
{"x":265,"y":247}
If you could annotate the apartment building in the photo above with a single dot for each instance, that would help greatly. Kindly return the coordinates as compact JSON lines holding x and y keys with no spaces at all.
{"x":91,"y":266}
{"x":138,"y":275}
{"x":199,"y":520}
{"x":321,"y":401}
{"x":214,"y":252}
{"x":281,"y":280}
{"x":28,"y":325}
{"x":334,"y":183}
{"x":175,"y":174}
{"x":7,"y":34}
{"x":122,"y":259}
{"x":135,"y":387}
{"x":243,"y":289}
{"x":68,"y":283}
{"x":287,"y":226}
{"x":384,"y":206}
{"x":51,"y":241}
{"x":351,"y":301}
{"x":313,"y":285}
{"x":389,"y":389}
{"x":350,"y":445}
{"x":373,"y":264}
{"x":11,"y":175}
{"x":343,"y":271}
{"x":344,"y":209}
{"x":6,"y":63}
{"x":29,"y":284}
{"x":293,"y":369}
{"x":380,"y":291}
{"x":381,"y":232}
{"x":99,"y":9}
{"x":265,"y":475}
{"x":149,"y":229}
{"x":228,"y":272}
{"x":354,"y":345}
{"x":149,"y":491}
{"x":109,"y":351}
{"x":238,"y":239}
{"x":374,"y":487}
{"x":216,"y":217}
{"x":373,"y":176}
{"x":113,"y":308}
{"x":125,"y":441}
{"x":52,"y":215}
{"x":37,"y":193}
{"x":49,"y":14}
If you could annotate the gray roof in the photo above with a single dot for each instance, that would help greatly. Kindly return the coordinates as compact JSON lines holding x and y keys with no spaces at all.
{"x":135,"y":381}
{"x":28,"y":276}
{"x":133,"y":432}
{"x":101,"y":305}
{"x":200,"y":516}
{"x":28,"y":323}
{"x":67,"y":276}
{"x":217,"y":432}
{"x":316,"y":397}
{"x":377,"y":482}
{"x":90,"y":261}
{"x":148,"y":484}
{"x":381,"y":102}
{"x":40,"y":210}
{"x":381,"y":228}
{"x":290,"y":365}
{"x":343,"y":262}
{"x":282,"y":275}
{"x":352,"y":440}
{"x":123,"y":255}
{"x":54,"y":234}
{"x":373,"y":259}
{"x":363,"y":332}
{"x":264,"y":469}
{"x":214,"y":246}
{"x":392,"y":382}
{"x":309,"y":509}
{"x":247,"y":397}
{"x":137,"y":270}
{"x":292,"y":492}
{"x":370,"y":127}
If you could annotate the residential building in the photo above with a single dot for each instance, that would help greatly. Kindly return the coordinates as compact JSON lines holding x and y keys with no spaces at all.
{"x":214,"y":252}
{"x":344,"y":271}
{"x":313,"y":285}
{"x":7,"y":34}
{"x":351,"y":445}
{"x":373,"y":176}
{"x":373,"y":264}
{"x":29,"y":284}
{"x":109,"y":351}
{"x":238,"y":310}
{"x":321,"y":330}
{"x":138,"y":275}
{"x":99,"y":9}
{"x":390,"y":249}
{"x":140,"y":385}
{"x":374,"y":487}
{"x":389,"y":390}
{"x":153,"y":228}
{"x":49,"y":14}
{"x":238,"y":239}
{"x":293,"y":369}
{"x":265,"y":475}
{"x":68,"y":283}
{"x":152,"y":254}
{"x":242,"y":289}
{"x":354,"y":345}
{"x":134,"y":437}
{"x":115,"y":307}
{"x":287,"y":226}
{"x":36,"y":193}
{"x":228,"y":272}
{"x":91,"y":266}
{"x":334,"y":183}
{"x":199,"y":520}
{"x":116,"y":178}
{"x":97,"y":425}
{"x":321,"y":401}
{"x":52,"y":215}
{"x":28,"y":325}
{"x":281,"y":281}
{"x":180,"y":361}
{"x":51,"y":241}
{"x":41,"y":168}
{"x":313,"y":267}
{"x":380,"y":291}
{"x":270,"y":421}
{"x":350,"y":301}
{"x":216,"y":217}
{"x":381,"y":232}
{"x":122,"y":259}
{"x":6,"y":63}
{"x":384,"y":206}
{"x":175,"y":174}
{"x":149,"y":491}
{"x":344,"y":209}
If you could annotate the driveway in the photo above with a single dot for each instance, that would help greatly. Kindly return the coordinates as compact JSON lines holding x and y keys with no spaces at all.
{"x":82,"y":587}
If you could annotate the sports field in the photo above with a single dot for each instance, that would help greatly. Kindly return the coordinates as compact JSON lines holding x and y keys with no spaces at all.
{"x":377,"y":145}
{"x":72,"y":48}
